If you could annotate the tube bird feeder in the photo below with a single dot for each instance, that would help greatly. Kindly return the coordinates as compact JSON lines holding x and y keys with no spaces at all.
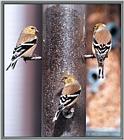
{"x":63,"y":33}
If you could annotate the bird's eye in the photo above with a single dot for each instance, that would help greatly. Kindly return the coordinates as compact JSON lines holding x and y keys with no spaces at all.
{"x":94,"y":28}
{"x":64,"y":78}
{"x":32,"y":28}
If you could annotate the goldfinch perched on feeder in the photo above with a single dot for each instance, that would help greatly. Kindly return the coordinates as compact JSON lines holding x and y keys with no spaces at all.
{"x":101,"y":45}
{"x":25,"y":46}
{"x":69,"y":96}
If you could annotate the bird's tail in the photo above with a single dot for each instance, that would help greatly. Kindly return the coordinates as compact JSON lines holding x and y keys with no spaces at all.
{"x":101,"y":72}
{"x":60,"y":109}
{"x":56,"y":115}
{"x":12,"y":64}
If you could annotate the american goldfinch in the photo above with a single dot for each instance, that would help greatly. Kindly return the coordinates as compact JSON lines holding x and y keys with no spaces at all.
{"x":25,"y":46}
{"x":69,"y":95}
{"x":101,"y":45}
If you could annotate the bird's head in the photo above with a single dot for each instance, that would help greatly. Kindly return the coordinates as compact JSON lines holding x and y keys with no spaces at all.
{"x":99,"y":26}
{"x":30,"y":30}
{"x":68,"y":79}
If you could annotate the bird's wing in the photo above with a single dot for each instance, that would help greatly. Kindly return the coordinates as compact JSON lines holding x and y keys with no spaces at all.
{"x":25,"y":42}
{"x":25,"y":38}
{"x":65,"y":100}
{"x":101,"y":49}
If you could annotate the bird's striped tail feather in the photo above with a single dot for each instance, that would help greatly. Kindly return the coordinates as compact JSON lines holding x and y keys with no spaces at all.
{"x":60,"y":109}
{"x":56,"y":115}
{"x":101,"y":72}
{"x":12,"y":64}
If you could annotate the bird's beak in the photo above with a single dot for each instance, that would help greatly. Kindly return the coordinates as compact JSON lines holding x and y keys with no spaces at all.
{"x":62,"y":80}
{"x":37,"y":31}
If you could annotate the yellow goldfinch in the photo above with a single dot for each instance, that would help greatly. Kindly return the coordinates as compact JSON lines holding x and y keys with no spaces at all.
{"x":101,"y":45}
{"x":69,"y":94}
{"x":25,"y":46}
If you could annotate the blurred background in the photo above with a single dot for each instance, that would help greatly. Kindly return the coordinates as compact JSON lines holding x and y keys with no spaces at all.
{"x":22,"y":86}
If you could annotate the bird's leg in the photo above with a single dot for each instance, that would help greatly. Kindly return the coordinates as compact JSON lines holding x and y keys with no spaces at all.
{"x":68,"y":113}
{"x":25,"y":59}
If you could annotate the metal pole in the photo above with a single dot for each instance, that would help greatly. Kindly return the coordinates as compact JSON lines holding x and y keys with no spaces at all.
{"x":64,"y":31}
